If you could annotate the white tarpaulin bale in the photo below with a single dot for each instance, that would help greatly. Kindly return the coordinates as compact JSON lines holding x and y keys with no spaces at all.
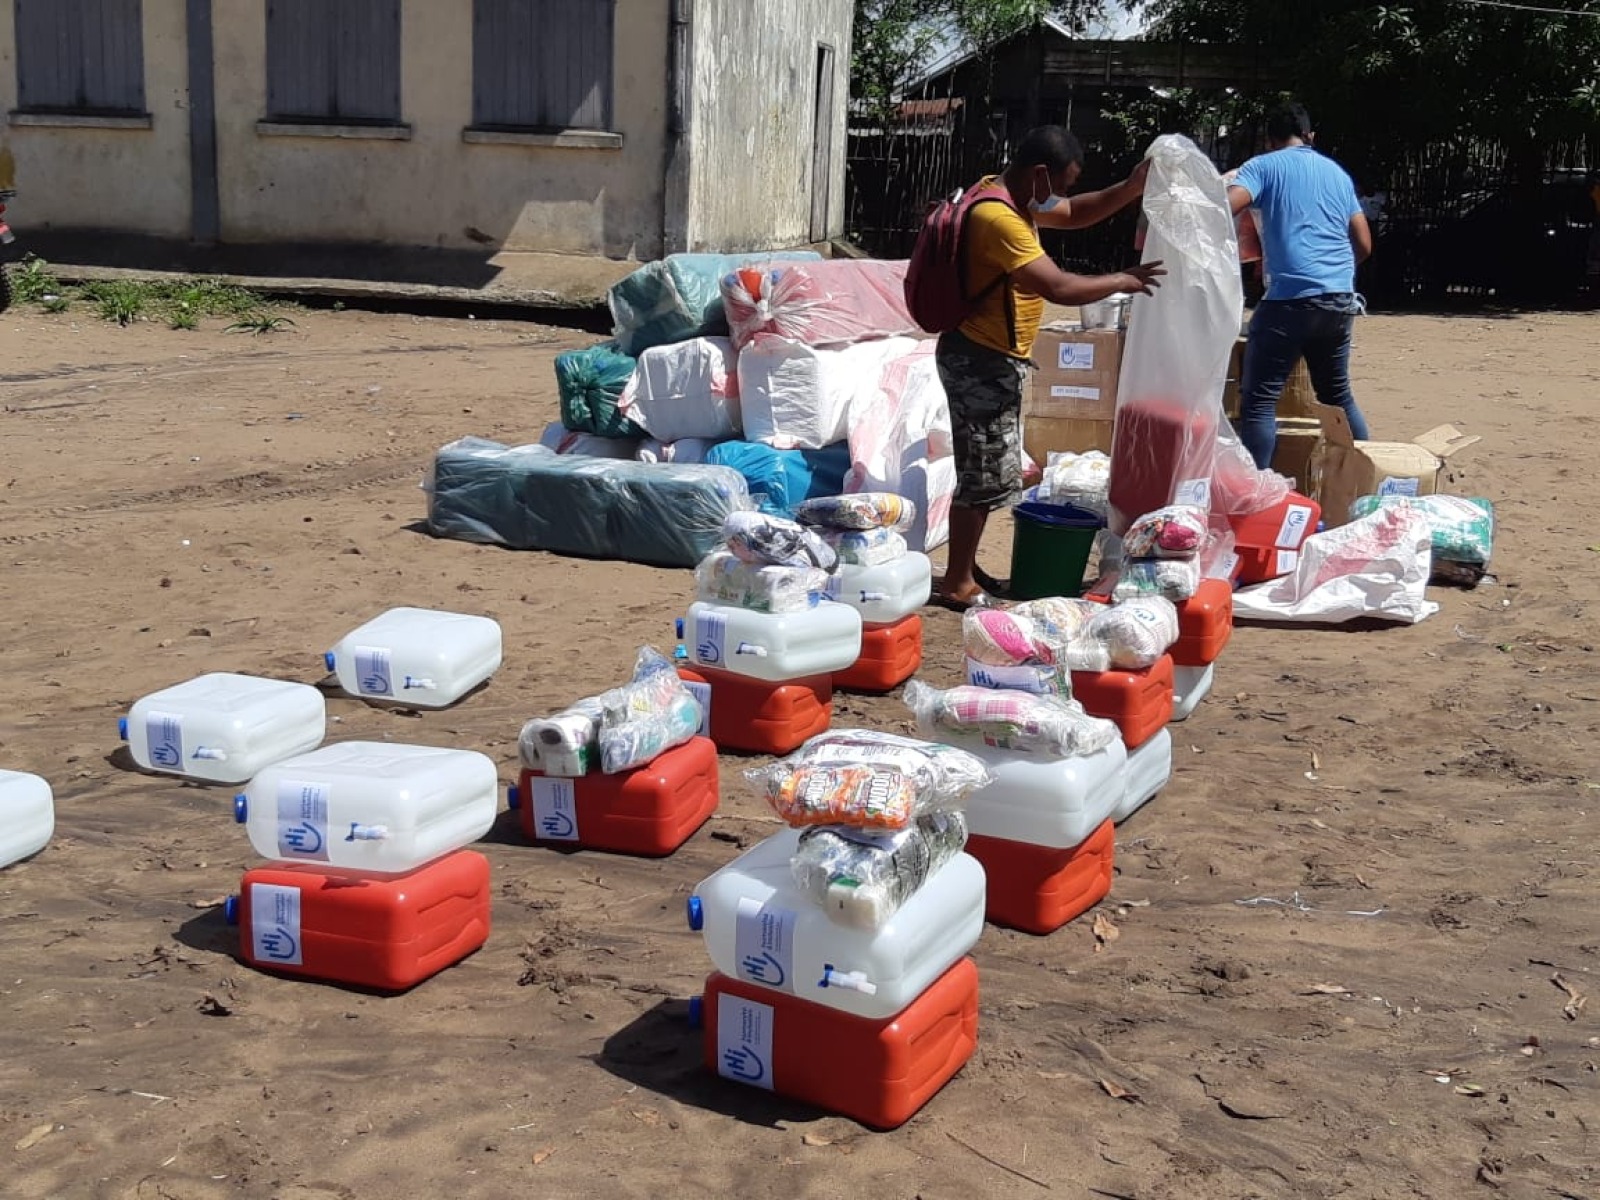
{"x":797,"y":398}
{"x":685,"y":390}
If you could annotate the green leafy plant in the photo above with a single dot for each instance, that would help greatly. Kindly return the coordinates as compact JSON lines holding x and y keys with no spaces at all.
{"x":259,"y":323}
{"x":32,"y":280}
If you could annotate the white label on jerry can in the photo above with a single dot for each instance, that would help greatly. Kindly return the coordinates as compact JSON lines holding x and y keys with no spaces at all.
{"x":1288,"y":560}
{"x":163,"y":734}
{"x":303,"y":820}
{"x":763,"y":944}
{"x":702,"y":693}
{"x":555,"y":810}
{"x":275,"y":924}
{"x":710,"y":639}
{"x":1296,"y":527}
{"x":373,"y":677}
{"x":744,"y":1041}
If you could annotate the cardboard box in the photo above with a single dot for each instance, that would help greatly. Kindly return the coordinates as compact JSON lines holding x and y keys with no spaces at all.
{"x":1077,"y":374}
{"x":1298,"y":439}
{"x":1343,"y":469}
{"x":1041,"y":435}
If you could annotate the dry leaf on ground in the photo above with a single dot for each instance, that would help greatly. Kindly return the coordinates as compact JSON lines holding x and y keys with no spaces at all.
{"x":1116,"y":1092}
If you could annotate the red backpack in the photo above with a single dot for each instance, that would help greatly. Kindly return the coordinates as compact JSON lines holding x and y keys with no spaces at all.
{"x":936,"y":279}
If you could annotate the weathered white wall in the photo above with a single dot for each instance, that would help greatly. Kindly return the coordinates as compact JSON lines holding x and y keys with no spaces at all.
{"x":751,"y":123}
{"x":435,"y":188}
{"x":128,"y":180}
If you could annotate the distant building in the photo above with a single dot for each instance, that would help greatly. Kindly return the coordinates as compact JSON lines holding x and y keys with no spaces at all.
{"x":622,"y":128}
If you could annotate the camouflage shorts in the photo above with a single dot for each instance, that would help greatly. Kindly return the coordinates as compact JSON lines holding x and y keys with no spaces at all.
{"x":985,"y":392}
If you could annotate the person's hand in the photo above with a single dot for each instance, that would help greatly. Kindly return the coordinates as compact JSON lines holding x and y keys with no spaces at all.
{"x":1143,"y":279}
{"x":1136,"y":180}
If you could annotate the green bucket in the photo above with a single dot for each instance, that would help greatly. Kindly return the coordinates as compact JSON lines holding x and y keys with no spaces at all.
{"x":1050,"y":549}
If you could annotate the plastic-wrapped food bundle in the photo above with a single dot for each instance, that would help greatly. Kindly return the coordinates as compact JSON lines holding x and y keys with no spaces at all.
{"x":1008,"y":720}
{"x":859,"y":511}
{"x":1040,"y":680}
{"x":1061,"y":619}
{"x":1174,"y":579}
{"x":644,"y":737}
{"x":866,"y":547}
{"x":680,"y":297}
{"x":725,"y":578}
{"x":566,"y":744}
{"x":1177,"y":531}
{"x":866,"y":779}
{"x":1001,"y":638}
{"x":655,"y":681}
{"x":861,"y":880}
{"x":685,"y":390}
{"x":829,"y":303}
{"x":591,"y":383}
{"x":1136,"y":633}
{"x":1078,"y":479}
{"x":776,"y":542}
{"x":1462,"y":530}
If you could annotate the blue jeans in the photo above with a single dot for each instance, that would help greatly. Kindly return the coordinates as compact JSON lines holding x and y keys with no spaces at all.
{"x":1318,"y":329}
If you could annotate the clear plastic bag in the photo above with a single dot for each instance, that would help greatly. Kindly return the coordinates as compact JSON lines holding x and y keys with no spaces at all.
{"x":868,"y":780}
{"x":1239,"y":488}
{"x":866,"y":547}
{"x":1177,"y":531}
{"x":1169,"y":395}
{"x":724,"y":578}
{"x":1174,"y":579}
{"x":830,"y":303}
{"x":1008,"y":720}
{"x":861,"y":881}
{"x":1136,"y":633}
{"x":859,"y":511}
{"x":1033,"y":679}
{"x":777,"y":542}
{"x":1001,"y":638}
{"x":642,"y":738}
{"x":1081,"y":480}
{"x":566,"y":744}
{"x":1061,"y":619}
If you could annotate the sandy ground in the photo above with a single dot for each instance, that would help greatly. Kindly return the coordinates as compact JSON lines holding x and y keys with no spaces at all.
{"x":174,"y":503}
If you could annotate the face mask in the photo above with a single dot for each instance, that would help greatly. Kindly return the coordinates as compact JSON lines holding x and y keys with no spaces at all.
{"x":1049,"y":204}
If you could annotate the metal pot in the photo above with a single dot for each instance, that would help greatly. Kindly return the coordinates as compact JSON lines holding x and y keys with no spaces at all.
{"x":1110,"y":313}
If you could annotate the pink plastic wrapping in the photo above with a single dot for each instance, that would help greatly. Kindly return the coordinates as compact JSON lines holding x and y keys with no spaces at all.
{"x":1238,"y":487}
{"x":831,"y":303}
{"x":1169,"y":397}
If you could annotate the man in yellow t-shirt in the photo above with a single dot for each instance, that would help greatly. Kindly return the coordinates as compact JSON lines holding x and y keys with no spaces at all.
{"x":984,"y":364}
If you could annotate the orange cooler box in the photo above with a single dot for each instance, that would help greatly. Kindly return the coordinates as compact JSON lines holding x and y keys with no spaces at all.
{"x":877,"y":1072}
{"x":890,"y":655}
{"x":384,"y":932}
{"x":1268,"y":543}
{"x":649,"y":811}
{"x":1038,"y":890}
{"x":1140,"y":702}
{"x":758,"y":717}
{"x":1205,"y":621}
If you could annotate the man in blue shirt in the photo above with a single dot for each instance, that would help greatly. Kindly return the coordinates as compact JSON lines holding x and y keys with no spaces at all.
{"x":1314,"y":234}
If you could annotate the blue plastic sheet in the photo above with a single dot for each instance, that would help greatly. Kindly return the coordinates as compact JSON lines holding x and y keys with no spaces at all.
{"x":780,"y":481}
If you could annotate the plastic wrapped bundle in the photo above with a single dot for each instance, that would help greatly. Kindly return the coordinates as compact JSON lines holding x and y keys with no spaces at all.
{"x":1081,"y":480}
{"x":1001,"y":638}
{"x":866,"y":547}
{"x":725,"y":578}
{"x":643,"y":738}
{"x":561,"y":440}
{"x":796,"y":397}
{"x":776,"y":542}
{"x":680,"y":297}
{"x":1164,"y":442}
{"x":566,"y":744}
{"x":860,"y":880}
{"x":591,"y":383}
{"x":859,"y":511}
{"x":1177,"y":531}
{"x":900,"y":442}
{"x":1462,"y":531}
{"x":868,"y":780}
{"x":1174,"y":579}
{"x":781,"y":480}
{"x":1008,"y":720}
{"x":830,"y":303}
{"x":527,"y":498}
{"x":1136,"y":633}
{"x":1239,"y":488}
{"x":1061,"y":619}
{"x":1034,"y":679}
{"x":685,"y":390}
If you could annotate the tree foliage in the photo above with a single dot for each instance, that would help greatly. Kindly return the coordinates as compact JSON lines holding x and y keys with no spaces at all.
{"x":896,"y":41}
{"x":1405,"y":74}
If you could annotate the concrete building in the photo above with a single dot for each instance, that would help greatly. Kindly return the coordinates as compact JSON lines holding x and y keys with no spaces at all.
{"x":616,"y":128}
